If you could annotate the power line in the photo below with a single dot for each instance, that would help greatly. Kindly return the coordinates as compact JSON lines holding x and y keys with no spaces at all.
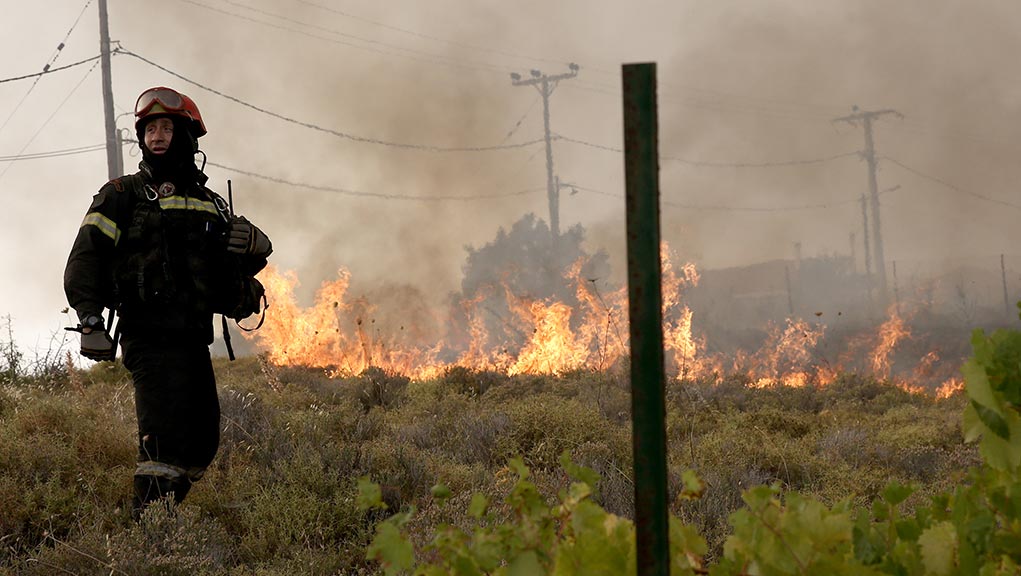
{"x":489,"y":66}
{"x":46,"y":68}
{"x":717,"y":164}
{"x":715,"y":94}
{"x":362,"y":194}
{"x":520,"y":120}
{"x":331,"y":131}
{"x":725,"y":208}
{"x":414,"y":54}
{"x":715,"y":104}
{"x":44,"y":124}
{"x":428,"y":37}
{"x":52,"y":153}
{"x":493,"y":67}
{"x":949,"y":185}
{"x":50,"y":71}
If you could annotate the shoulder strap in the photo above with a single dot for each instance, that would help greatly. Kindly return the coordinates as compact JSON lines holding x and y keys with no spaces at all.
{"x":221,"y":205}
{"x":133,"y":182}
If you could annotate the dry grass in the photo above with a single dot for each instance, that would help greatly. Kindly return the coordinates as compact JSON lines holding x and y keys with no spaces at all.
{"x":279,"y":499}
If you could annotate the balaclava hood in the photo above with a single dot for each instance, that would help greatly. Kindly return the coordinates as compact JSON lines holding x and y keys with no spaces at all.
{"x":177,"y":164}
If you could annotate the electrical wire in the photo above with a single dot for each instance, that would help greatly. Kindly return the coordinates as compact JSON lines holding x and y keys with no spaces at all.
{"x":46,"y":68}
{"x":714,"y":94}
{"x":339,"y":134}
{"x":428,"y":37}
{"x":411,"y":54}
{"x":488,"y":66}
{"x":439,"y":58}
{"x":725,"y":208}
{"x":949,"y":185}
{"x":44,"y":124}
{"x":357,"y":193}
{"x":717,"y":164}
{"x":50,"y":71}
{"x":69,"y":31}
{"x":53,"y":153}
{"x":520,"y":120}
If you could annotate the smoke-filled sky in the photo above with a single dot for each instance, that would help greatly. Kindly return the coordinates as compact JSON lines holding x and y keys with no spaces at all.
{"x":752,"y":160}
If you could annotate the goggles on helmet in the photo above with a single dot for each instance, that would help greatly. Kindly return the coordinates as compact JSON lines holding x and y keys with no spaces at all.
{"x":170,"y":100}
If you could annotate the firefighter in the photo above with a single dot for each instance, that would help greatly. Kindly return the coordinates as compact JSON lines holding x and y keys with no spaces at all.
{"x":166,"y":253}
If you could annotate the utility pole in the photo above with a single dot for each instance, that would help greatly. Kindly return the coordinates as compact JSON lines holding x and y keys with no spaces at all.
{"x":1003,"y":276}
{"x":545,"y":85}
{"x":854,"y":252}
{"x":865,"y":236}
{"x":114,"y":162}
{"x":866,"y":117}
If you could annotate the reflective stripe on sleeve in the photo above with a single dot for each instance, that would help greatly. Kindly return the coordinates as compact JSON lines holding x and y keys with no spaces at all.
{"x":105,"y":225}
{"x":182,"y":203}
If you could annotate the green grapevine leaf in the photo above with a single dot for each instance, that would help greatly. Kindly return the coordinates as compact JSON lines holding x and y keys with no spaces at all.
{"x":369,"y":495}
{"x":687,"y":547}
{"x":693,"y":486}
{"x":1002,"y":453}
{"x":975,"y":371}
{"x":577,"y":492}
{"x":525,"y":564}
{"x":579,"y":473}
{"x":479,"y":505}
{"x":603,"y":543}
{"x":939,"y":546}
{"x":1008,"y":366}
{"x":880,"y":511}
{"x":760,"y":497}
{"x":391,"y":549}
{"x":464,"y":566}
{"x":992,"y":420}
{"x":971,"y":425}
{"x":908,"y":529}
{"x":868,"y":546}
{"x":519,"y":467}
{"x":441,"y":493}
{"x":895,"y":493}
{"x":489,"y":550}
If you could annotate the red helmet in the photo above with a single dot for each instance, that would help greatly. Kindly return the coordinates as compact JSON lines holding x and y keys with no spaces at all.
{"x":169,"y":102}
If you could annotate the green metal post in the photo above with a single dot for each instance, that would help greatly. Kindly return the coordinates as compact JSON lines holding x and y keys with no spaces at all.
{"x":648,"y":379}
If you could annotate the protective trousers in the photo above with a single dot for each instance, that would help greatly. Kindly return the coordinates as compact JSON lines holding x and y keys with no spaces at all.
{"x":178,"y":414}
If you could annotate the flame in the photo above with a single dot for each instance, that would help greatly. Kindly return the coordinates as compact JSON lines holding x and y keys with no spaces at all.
{"x":677,"y":329}
{"x":553,"y":348}
{"x":787,"y":357}
{"x":331,"y":333}
{"x":546,"y":336}
{"x":891,"y":332}
{"x":949,"y":388}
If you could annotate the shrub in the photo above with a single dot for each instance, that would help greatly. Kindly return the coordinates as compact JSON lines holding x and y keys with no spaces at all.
{"x":170,"y":540}
{"x":380,"y":387}
{"x":469,"y":381}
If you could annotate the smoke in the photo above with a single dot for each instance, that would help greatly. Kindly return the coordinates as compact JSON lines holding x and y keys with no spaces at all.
{"x":745,"y":88}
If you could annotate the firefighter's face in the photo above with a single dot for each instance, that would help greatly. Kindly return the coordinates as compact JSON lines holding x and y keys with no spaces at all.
{"x":158,"y":134}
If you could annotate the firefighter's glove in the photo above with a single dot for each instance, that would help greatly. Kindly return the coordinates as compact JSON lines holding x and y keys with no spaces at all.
{"x":246,"y":238}
{"x":96,"y":342}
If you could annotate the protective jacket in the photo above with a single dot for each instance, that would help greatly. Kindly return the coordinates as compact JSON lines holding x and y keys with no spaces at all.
{"x":156,"y":252}
{"x":156,"y":249}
